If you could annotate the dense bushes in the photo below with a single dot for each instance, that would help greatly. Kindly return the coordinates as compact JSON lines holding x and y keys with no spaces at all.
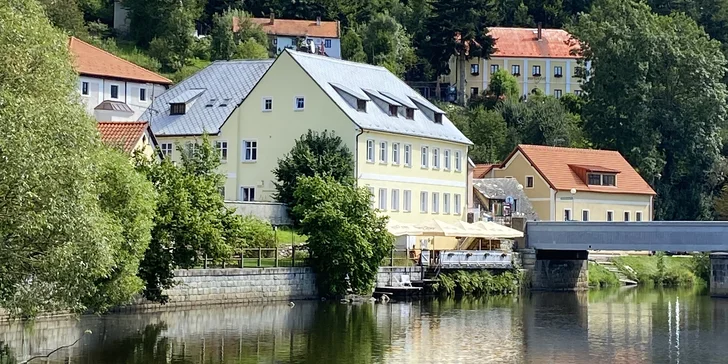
{"x":659,"y":270}
{"x":601,"y":277}
{"x":480,"y":282}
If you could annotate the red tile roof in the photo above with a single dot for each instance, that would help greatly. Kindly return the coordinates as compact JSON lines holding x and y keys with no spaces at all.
{"x":124,"y":134}
{"x":93,"y":61}
{"x":556,"y":164}
{"x":298,"y":28}
{"x":523,"y":42}
{"x":481,"y":170}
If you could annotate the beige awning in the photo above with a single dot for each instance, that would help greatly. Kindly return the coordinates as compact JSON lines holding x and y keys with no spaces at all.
{"x":497,"y":231}
{"x":397,"y":228}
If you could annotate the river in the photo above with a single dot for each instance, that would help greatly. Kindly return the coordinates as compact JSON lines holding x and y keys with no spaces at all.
{"x":628,"y":325}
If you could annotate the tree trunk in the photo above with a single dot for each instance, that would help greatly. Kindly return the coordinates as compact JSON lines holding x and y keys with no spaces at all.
{"x":461,"y":79}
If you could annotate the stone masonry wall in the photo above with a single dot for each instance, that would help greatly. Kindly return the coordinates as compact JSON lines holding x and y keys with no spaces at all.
{"x":719,"y":274}
{"x":560,"y":275}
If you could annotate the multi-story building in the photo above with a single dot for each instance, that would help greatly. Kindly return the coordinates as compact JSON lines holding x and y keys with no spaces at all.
{"x":543,"y":59}
{"x":113,"y":89}
{"x":565,"y":184}
{"x":322,"y":36}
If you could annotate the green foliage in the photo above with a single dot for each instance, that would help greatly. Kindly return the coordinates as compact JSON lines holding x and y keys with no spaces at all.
{"x":129,"y":52}
{"x":701,"y":266}
{"x":65,"y":15}
{"x":352,"y":48}
{"x":386,"y":43}
{"x":659,"y":270}
{"x":503,"y":83}
{"x":249,"y":41}
{"x":648,"y":98}
{"x":171,"y":21}
{"x":721,"y":204}
{"x":345,"y":235}
{"x":314,"y":154}
{"x":251,"y":49}
{"x":601,"y":277}
{"x":481,"y":282}
{"x":256,"y":233}
{"x":541,"y":120}
{"x":486,"y":129}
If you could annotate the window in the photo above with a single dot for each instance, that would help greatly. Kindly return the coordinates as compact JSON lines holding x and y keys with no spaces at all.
{"x":557,"y":93}
{"x":383,"y":199}
{"x":223,"y":103}
{"x":222,"y":148}
{"x":410,"y":113}
{"x":267,"y":104}
{"x":626,"y":216}
{"x":221,"y":189}
{"x":361,"y":105}
{"x":395,"y":200}
{"x":435,"y":203}
{"x":608,"y":180}
{"x":445,"y":203}
{"x":177,"y":109}
{"x":458,"y":161}
{"x":493,"y":68}
{"x":393,"y":109}
{"x":438,"y":118}
{"x":567,"y":214}
{"x":446,"y":156}
{"x":142,"y":94}
{"x":457,"y":204}
{"x":595,"y":179}
{"x":327,"y":43}
{"x":114,"y":91}
{"x":516,"y":70}
{"x":584,"y":215}
{"x":247,"y":193}
{"x":577,"y":92}
{"x":250,"y":150}
{"x":436,"y":158}
{"x":84,"y":88}
{"x":638,"y":216}
{"x":473,"y":91}
{"x":407,"y":155}
{"x":370,"y":151}
{"x":407,"y":201}
{"x":382,"y":152}
{"x":536,"y":71}
{"x":371,"y":196}
{"x":601,"y":179}
{"x":395,"y":153}
{"x":166,"y":149}
{"x":474,"y":69}
{"x":193,"y":148}
{"x":558,"y":71}
{"x":423,"y":201}
{"x":298,"y":103}
{"x":425,"y":157}
{"x":610,"y":215}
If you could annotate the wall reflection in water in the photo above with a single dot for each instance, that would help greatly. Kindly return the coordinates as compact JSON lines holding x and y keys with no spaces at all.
{"x":620,"y":326}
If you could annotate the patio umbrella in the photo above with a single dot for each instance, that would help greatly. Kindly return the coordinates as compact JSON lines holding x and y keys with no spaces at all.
{"x":397,"y":228}
{"x":497,"y":231}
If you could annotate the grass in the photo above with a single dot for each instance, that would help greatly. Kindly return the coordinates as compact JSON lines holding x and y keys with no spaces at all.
{"x":287,"y":235}
{"x":601,"y":277}
{"x":659,"y":270}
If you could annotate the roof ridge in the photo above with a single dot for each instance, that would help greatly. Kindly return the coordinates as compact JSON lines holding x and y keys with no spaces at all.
{"x":223,"y":61}
{"x":521,"y":28}
{"x":569,"y":148}
{"x":337,"y":60}
{"x":307,"y":20}
{"x":119,"y":58}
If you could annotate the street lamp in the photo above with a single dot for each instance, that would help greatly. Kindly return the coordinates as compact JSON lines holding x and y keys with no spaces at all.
{"x":573,"y":197}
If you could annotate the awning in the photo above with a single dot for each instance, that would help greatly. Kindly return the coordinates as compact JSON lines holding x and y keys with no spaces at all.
{"x":497,"y":231}
{"x":397,"y":228}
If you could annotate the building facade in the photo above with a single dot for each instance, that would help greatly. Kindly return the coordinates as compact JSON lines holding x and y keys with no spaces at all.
{"x":322,"y":36}
{"x":570,"y":184}
{"x":129,"y":137}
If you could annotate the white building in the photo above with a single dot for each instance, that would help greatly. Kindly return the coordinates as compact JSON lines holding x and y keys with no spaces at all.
{"x":112,"y":88}
{"x":285,"y":33}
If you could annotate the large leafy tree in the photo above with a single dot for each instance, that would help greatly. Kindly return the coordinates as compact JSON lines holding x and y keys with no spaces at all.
{"x":386,"y":43}
{"x":486,"y":129}
{"x":235,"y":35}
{"x":345,"y":235}
{"x":656,"y":96}
{"x":314,"y":154}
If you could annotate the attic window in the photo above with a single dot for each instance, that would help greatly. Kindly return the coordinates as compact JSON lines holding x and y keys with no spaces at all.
{"x":599,"y":179}
{"x":224,"y":102}
{"x":438,"y":118}
{"x":177,"y":109}
{"x":393,"y":110}
{"x":361,"y":105}
{"x":410,"y":113}
{"x":211,"y":103}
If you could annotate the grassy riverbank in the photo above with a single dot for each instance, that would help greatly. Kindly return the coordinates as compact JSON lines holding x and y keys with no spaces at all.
{"x":477,"y":283}
{"x":660,"y":270}
{"x":601,"y":277}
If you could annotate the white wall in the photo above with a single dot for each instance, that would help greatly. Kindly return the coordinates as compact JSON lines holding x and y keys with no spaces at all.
{"x":99,"y":90}
{"x":334,"y":51}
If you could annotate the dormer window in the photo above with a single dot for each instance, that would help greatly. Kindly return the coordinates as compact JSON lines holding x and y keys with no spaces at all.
{"x":438,"y":118}
{"x":177,"y":109}
{"x":393,"y":110}
{"x":410,"y":113}
{"x":361,"y":105}
{"x":599,"y":179}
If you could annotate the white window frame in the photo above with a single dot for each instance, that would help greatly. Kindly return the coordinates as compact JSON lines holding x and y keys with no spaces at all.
{"x":263,"y":105}
{"x":253,"y":158}
{"x":458,"y":204}
{"x":372,"y":196}
{"x":588,"y":215}
{"x":222,"y":148}
{"x":516,"y":69}
{"x":327,"y":43}
{"x":408,"y":155}
{"x":118,"y":88}
{"x":533,"y":182}
{"x":536,"y":70}
{"x":425,"y":152}
{"x":370,"y":151}
{"x":407,"y":200}
{"x":560,"y":71}
{"x":446,"y":203}
{"x":435,"y":158}
{"x":383,"y":156}
{"x":446,"y":156}
{"x":571,"y":214}
{"x":423,"y":202}
{"x":85,"y":85}
{"x":558,"y":93}
{"x":395,"y":153}
{"x":167,"y":149}
{"x":295,"y":103}
{"x":494,"y":68}
{"x":383,"y":199}
{"x":249,"y":188}
{"x":458,"y":161}
{"x":638,"y":216}
{"x":627,"y":216}
{"x":435,"y":202}
{"x":607,"y":216}
{"x":395,"y":200}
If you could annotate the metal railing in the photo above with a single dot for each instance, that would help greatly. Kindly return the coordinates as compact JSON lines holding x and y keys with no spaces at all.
{"x":295,"y":256}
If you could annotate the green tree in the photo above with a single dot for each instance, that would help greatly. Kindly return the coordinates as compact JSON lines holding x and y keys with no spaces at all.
{"x":648,"y":98}
{"x":66,"y":15}
{"x":540,"y":120}
{"x":504,"y":84}
{"x":386,"y":43}
{"x":314,"y":154}
{"x":352,"y":48}
{"x":234,"y":35}
{"x":345,"y":235}
{"x":486,"y":129}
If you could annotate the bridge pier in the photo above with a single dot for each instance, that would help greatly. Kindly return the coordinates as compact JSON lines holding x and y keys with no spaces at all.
{"x":719,"y":274}
{"x":560,"y":270}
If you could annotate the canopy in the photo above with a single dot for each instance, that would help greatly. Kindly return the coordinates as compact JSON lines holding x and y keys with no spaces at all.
{"x":397,"y":228}
{"x":480,"y":229}
{"x":497,"y":231}
{"x":439,"y":228}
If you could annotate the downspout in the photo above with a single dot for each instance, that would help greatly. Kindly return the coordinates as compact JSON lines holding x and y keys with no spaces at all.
{"x":652,"y":208}
{"x":356,"y":157}
{"x":125,"y":94}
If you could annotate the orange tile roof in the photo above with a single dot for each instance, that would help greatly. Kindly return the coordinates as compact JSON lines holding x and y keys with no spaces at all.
{"x":299,"y":28}
{"x":93,"y":61}
{"x":481,"y":170}
{"x":555,"y":165}
{"x":125,"y":134}
{"x":523,"y":42}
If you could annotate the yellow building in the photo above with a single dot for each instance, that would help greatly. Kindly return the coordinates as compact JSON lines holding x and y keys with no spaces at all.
{"x":577,"y":184}
{"x":406,"y":151}
{"x":129,"y":137}
{"x":541,"y":59}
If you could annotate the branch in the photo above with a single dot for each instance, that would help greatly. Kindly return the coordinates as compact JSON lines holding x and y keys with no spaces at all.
{"x":59,"y":348}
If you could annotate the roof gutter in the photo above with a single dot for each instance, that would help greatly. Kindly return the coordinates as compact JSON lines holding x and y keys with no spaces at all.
{"x":356,"y":156}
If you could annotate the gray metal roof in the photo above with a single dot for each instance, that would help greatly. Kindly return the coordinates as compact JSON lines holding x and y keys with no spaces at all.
{"x":114,"y":106}
{"x":219,"y":81}
{"x":345,"y":75}
{"x":500,"y":188}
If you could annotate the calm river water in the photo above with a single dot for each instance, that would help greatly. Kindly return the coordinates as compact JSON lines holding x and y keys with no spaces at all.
{"x":620,"y":326}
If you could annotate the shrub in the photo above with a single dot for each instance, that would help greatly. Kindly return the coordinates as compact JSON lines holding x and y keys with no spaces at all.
{"x":477,"y":283}
{"x":601,"y":277}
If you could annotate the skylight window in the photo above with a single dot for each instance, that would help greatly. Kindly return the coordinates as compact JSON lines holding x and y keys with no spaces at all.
{"x":224,"y":102}
{"x":361,"y":105}
{"x":211,"y":103}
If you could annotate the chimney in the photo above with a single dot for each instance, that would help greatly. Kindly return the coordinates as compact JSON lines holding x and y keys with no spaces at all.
{"x":540,"y":31}
{"x":273,"y":18}
{"x":318,"y":20}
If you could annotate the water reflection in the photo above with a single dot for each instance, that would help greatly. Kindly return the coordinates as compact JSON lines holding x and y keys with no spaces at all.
{"x":620,"y":326}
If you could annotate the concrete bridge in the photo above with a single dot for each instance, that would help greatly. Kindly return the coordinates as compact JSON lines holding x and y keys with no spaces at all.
{"x":562,"y":248}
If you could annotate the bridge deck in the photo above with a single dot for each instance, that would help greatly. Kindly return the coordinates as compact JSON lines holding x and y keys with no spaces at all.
{"x":703,"y":236}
